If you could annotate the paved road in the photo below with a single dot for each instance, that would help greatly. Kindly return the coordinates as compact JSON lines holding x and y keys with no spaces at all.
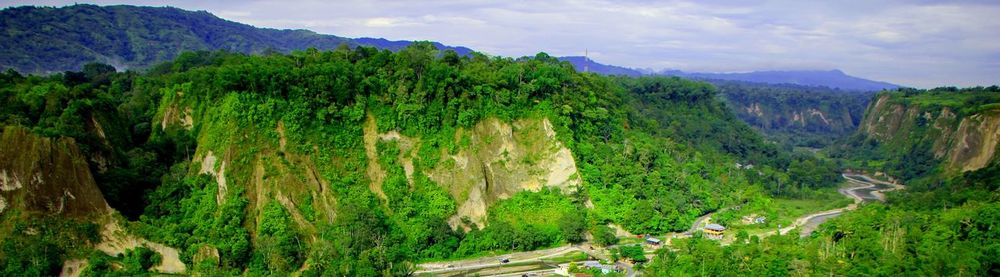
{"x":865,"y":189}
{"x":493,"y":261}
{"x":543,"y":272}
{"x":518,"y":258}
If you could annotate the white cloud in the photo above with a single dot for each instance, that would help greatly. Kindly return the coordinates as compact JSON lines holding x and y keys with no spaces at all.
{"x":381,"y":22}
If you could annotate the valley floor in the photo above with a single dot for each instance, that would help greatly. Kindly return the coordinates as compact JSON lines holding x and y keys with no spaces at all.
{"x":860,"y":188}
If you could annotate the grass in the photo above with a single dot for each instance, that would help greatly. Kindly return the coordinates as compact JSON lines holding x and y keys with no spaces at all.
{"x":790,"y":209}
{"x":787,"y":210}
{"x":629,"y":240}
{"x":568,"y":257}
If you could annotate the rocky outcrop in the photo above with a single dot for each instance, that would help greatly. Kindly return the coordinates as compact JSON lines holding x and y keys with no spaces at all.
{"x":963,"y":142}
{"x":495,"y":160}
{"x":116,"y":241}
{"x":975,"y":142}
{"x":48,"y":175}
{"x":502,"y":159}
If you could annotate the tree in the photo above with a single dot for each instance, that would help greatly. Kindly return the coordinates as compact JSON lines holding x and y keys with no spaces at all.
{"x":603,"y":235}
{"x":572,"y":226}
{"x":633,"y":252}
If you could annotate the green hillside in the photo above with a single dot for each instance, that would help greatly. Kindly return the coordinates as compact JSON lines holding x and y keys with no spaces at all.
{"x":928,"y":134}
{"x":942,"y":144}
{"x":44,"y":40}
{"x":796,"y":115}
{"x":339,"y":162}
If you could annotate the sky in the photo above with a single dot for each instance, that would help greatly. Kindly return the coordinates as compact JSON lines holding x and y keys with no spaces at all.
{"x":914,"y":43}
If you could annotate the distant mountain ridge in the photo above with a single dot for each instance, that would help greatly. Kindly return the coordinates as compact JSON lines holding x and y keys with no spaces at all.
{"x":47,"y":39}
{"x":586,"y":64}
{"x":820,"y":78}
{"x":828,"y":78}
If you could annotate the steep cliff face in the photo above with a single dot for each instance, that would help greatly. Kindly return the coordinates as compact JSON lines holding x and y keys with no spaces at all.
{"x":962,"y":141}
{"x":502,"y":159}
{"x":803,"y":118}
{"x":46,"y":175}
{"x":800,"y":115}
{"x":492,"y":161}
{"x":498,"y":159}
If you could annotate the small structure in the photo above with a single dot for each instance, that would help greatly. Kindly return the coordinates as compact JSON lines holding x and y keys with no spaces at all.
{"x":753,"y":219}
{"x":651,"y":241}
{"x":714,"y":231}
{"x":605,"y":269}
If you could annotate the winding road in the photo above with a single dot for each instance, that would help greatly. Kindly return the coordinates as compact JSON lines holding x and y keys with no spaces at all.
{"x":863,"y":189}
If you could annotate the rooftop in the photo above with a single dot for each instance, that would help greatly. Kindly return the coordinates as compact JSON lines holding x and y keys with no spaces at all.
{"x":715,"y":227}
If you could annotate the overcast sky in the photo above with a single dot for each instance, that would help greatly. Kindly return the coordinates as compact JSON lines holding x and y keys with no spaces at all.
{"x":915,"y":43}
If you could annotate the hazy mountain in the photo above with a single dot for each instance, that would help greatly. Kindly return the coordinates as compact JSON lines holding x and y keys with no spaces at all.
{"x":396,"y":45}
{"x":586,"y":64}
{"x":47,"y":39}
{"x":827,"y":78}
{"x":822,"y":78}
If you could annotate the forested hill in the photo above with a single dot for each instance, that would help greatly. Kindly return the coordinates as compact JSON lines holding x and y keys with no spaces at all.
{"x":942,"y":145}
{"x":925,"y":136}
{"x":47,"y":39}
{"x":834,"y":79}
{"x":796,"y":108}
{"x":361,"y":161}
{"x":794,"y":114}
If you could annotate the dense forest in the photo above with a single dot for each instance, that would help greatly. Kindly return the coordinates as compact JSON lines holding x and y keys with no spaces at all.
{"x":653,"y":154}
{"x":943,"y":223}
{"x":796,"y":115}
{"x":939,"y":133}
{"x":52,"y":40}
{"x":141,"y":141}
{"x":949,"y":230}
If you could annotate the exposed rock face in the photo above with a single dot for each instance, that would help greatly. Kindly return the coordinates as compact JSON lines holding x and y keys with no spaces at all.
{"x":116,"y":241}
{"x":496,"y":160}
{"x":208,"y":167}
{"x":810,"y":119}
{"x":174,"y":115}
{"x":46,"y":175}
{"x":964,"y":143}
{"x":503,"y":159}
{"x":289,"y":178}
{"x":207,"y":254}
{"x":375,"y":172}
{"x":975,"y":142}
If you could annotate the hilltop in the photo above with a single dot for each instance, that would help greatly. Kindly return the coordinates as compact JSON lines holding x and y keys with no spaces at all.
{"x":47,"y":39}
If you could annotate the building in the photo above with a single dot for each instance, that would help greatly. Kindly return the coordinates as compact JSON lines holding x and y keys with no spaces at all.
{"x":605,"y":269}
{"x":714,"y":231}
{"x":653,"y":241}
{"x":753,"y":219}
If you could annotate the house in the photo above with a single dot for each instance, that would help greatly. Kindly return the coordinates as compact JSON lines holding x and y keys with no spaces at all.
{"x":605,"y":269}
{"x":653,"y":241}
{"x":714,"y":231}
{"x":564,"y":269}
